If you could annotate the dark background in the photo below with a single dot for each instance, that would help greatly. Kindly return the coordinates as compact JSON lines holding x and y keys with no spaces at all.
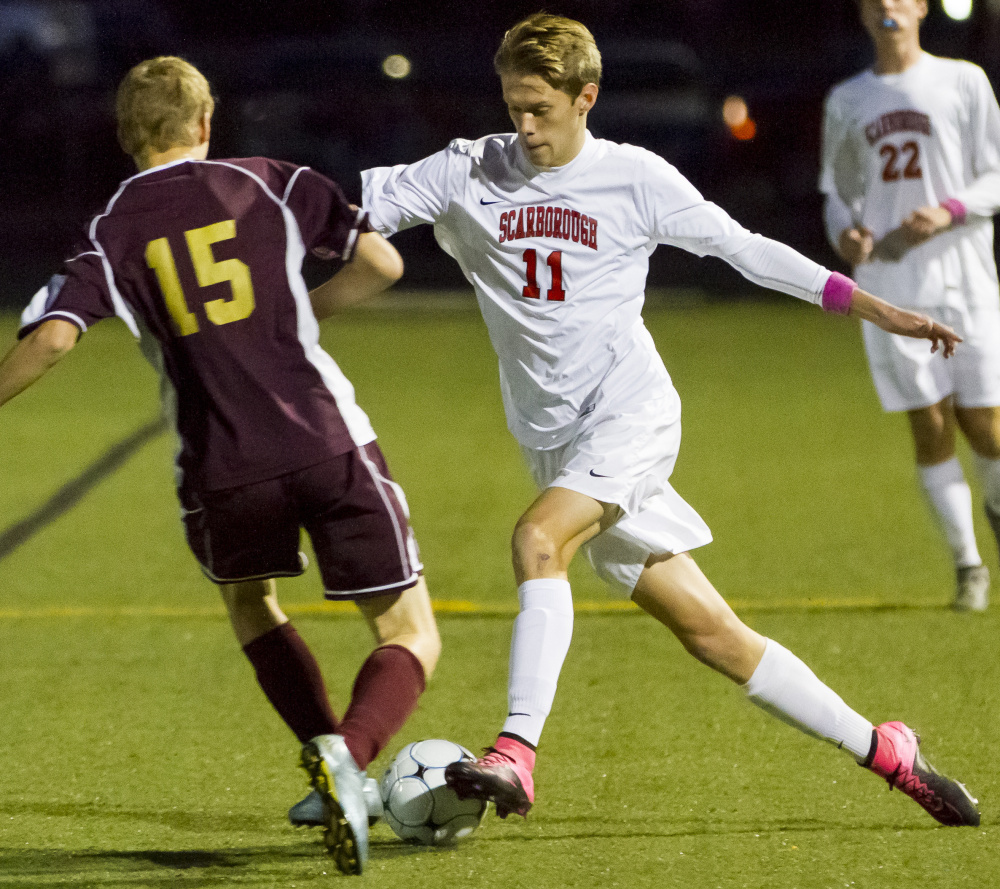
{"x":302,"y":80}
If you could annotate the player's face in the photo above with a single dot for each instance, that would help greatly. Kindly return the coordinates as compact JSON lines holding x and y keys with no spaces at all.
{"x":551,"y":126}
{"x":892,"y":19}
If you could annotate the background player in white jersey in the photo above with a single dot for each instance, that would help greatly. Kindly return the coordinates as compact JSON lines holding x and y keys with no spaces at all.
{"x":202,"y":260}
{"x":554,"y":228}
{"x":911,"y":174}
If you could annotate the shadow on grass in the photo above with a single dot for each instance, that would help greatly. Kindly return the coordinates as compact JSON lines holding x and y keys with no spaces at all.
{"x":173,"y":818}
{"x":305,"y":862}
{"x":253,"y":865}
{"x":145,"y":867}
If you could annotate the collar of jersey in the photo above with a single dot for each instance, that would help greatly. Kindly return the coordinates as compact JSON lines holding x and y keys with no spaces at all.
{"x":166,"y":166}
{"x":532,"y":172}
{"x":902,"y":75}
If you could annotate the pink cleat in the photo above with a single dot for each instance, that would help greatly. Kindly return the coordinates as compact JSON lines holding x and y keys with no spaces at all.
{"x":503,"y":777}
{"x":897,"y":758}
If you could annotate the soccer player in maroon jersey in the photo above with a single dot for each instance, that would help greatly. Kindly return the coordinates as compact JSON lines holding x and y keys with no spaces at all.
{"x":202,"y":260}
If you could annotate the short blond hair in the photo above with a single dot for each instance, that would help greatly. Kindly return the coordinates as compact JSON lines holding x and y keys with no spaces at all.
{"x":559,"y":50}
{"x":159,"y":105}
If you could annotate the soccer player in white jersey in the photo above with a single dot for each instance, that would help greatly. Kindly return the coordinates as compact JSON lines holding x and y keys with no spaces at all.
{"x":911,"y":174}
{"x":554,"y":228}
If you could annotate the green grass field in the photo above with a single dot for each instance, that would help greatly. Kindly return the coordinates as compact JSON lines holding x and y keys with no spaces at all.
{"x":138,"y":751}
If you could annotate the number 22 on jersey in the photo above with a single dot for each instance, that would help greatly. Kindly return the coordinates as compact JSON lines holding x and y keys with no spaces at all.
{"x":160,"y":258}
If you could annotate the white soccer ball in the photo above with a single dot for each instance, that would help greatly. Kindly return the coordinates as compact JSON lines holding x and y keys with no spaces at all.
{"x":419,"y":806}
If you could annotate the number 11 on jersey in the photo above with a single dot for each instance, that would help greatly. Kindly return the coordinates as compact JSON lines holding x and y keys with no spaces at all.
{"x":531,"y":290}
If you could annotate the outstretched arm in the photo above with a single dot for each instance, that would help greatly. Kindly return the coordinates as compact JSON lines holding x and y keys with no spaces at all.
{"x":375,"y":266}
{"x":843,"y":297}
{"x":896,"y":320}
{"x":33,"y":356}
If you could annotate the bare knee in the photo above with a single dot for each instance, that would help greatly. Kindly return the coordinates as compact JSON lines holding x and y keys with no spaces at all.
{"x":534,"y":551}
{"x":250,"y":595}
{"x":252,"y":607}
{"x":933,"y":431}
{"x":981,"y":426}
{"x":406,"y":620}
{"x":722,"y":642}
{"x":424,"y":643}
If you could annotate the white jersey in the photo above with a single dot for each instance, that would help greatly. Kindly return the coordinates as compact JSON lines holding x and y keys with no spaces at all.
{"x":893,"y":143}
{"x":558,"y":260}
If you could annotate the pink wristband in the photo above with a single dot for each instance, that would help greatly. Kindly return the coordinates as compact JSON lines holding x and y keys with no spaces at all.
{"x":957,"y":210}
{"x":837,"y":294}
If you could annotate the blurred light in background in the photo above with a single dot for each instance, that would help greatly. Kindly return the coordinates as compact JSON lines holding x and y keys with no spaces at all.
{"x":959,"y":10}
{"x":396,"y":66}
{"x":736,"y":115}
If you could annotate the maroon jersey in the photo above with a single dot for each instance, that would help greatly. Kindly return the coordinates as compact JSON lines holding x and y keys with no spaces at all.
{"x":202,"y":260}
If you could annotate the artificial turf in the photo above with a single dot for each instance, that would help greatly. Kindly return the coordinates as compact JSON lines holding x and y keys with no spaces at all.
{"x":138,"y":750}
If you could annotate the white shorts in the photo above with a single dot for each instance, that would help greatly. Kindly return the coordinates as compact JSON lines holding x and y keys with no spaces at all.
{"x":908,"y":376}
{"x":625,"y":456}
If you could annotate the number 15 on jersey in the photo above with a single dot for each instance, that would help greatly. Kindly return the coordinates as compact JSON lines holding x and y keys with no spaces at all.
{"x":160,"y":258}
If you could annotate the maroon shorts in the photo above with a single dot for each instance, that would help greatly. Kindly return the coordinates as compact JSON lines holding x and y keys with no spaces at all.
{"x":354,"y":513}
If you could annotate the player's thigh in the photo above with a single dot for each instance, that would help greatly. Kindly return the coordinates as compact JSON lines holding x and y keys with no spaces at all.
{"x":358,"y":521}
{"x":906,"y":374}
{"x":243,"y":533}
{"x":565,"y":517}
{"x":675,"y":591}
{"x":665,"y":524}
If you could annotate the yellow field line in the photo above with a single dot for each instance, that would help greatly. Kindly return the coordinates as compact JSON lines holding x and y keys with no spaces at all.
{"x":453,"y":608}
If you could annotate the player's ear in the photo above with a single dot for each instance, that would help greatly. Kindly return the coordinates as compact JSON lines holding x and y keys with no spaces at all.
{"x":205,"y":127}
{"x":588,"y":96}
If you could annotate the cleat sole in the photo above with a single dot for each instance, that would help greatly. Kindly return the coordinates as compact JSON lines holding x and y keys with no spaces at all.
{"x":338,"y":836}
{"x":506,"y":797}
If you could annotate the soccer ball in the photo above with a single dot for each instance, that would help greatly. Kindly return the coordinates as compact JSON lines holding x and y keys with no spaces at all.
{"x":419,"y":806}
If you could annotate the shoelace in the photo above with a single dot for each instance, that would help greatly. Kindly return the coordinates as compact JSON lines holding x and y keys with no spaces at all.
{"x":913,"y":787}
{"x":495,"y":758}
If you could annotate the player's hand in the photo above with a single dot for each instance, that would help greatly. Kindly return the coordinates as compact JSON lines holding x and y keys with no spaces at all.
{"x":903,"y":322}
{"x":856,"y":244}
{"x":921,"y":225}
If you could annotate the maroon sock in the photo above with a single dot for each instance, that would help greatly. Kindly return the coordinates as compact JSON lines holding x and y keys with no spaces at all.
{"x":292,"y":681}
{"x":385,"y":694}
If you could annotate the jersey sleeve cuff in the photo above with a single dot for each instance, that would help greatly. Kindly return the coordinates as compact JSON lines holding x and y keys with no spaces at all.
{"x":837,"y":294}
{"x":29,"y":326}
{"x":957,"y":209}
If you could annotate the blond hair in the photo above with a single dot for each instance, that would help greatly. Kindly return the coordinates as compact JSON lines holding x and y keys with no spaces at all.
{"x":159,"y":105}
{"x":559,"y":50}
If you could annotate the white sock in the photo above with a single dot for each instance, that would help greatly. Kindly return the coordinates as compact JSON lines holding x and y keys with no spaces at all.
{"x":787,"y":689}
{"x":989,"y":474}
{"x":951,"y":501}
{"x":542,"y":633}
